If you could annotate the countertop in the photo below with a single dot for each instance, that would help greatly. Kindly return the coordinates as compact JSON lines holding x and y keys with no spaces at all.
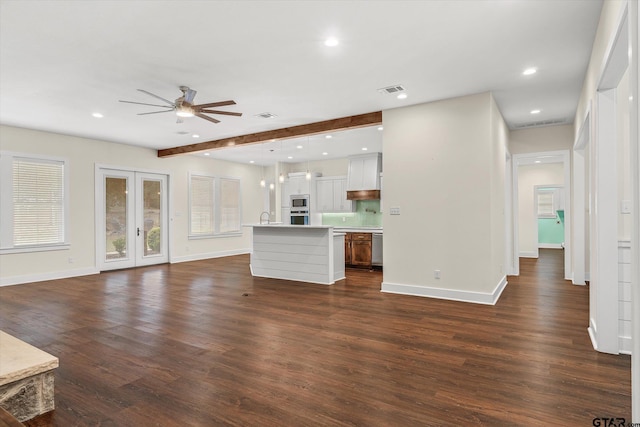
{"x":375,"y":230}
{"x":281,"y":225}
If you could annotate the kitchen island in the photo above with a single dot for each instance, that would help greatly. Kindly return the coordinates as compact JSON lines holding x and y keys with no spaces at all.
{"x":303,"y":253}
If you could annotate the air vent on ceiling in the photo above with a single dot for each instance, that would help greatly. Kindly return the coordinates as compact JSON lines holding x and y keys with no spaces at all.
{"x":266,"y":115}
{"x":540,"y":123}
{"x":392,"y":89}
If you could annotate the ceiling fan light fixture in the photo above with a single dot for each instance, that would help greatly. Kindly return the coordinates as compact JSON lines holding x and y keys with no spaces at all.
{"x":184,"y":112}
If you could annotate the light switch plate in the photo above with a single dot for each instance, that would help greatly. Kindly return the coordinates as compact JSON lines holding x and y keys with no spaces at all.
{"x":625,"y":207}
{"x":394,"y":211}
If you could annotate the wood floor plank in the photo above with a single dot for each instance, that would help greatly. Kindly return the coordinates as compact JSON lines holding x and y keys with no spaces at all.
{"x":205,"y":344}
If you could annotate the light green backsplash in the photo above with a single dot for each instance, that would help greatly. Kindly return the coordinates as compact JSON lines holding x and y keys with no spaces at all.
{"x":367,"y":214}
{"x":551,"y":230}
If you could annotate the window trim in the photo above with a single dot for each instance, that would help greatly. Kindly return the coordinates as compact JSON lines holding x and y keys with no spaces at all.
{"x":217,"y":180}
{"x":6,"y":203}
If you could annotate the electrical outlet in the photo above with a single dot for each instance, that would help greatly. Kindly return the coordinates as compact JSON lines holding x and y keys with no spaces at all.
{"x":436,"y":274}
{"x":344,"y":219}
{"x":625,"y":207}
{"x":71,"y":260}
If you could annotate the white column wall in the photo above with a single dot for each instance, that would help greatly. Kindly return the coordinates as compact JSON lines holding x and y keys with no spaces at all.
{"x":438,"y":161}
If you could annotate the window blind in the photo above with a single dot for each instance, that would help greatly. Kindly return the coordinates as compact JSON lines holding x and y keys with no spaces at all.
{"x":230,"y":205}
{"x":545,"y":205}
{"x":38,"y":202}
{"x":202,"y":206}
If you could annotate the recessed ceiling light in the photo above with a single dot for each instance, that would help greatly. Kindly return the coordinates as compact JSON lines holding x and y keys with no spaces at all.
{"x":402,"y":96}
{"x":535,"y":111}
{"x":252,"y":161}
{"x":195,"y":135}
{"x":325,"y":153}
{"x":97,"y":115}
{"x":380,"y":128}
{"x":331,"y":42}
{"x":364,"y":148}
{"x":290,"y":157}
{"x":328,"y":136}
{"x":298,"y":147}
{"x":529,"y":71}
{"x":537,"y":161}
{"x":207,"y":154}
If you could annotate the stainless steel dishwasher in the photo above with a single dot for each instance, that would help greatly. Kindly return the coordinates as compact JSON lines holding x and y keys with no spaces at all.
{"x":376,"y":250}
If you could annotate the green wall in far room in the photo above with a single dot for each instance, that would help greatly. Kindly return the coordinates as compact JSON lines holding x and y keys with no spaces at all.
{"x":367,"y":214}
{"x":551,"y":230}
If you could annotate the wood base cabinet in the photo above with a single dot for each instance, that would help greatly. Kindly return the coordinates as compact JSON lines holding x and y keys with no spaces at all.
{"x":358,"y":249}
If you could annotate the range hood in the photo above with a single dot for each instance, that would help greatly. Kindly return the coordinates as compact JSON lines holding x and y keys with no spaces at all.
{"x":363,"y":195}
{"x":363,"y":178}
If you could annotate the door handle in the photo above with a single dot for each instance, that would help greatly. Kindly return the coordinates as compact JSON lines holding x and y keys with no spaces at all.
{"x":138,"y":232}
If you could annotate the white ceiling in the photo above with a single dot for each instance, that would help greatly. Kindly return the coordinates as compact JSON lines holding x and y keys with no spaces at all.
{"x":61,"y":61}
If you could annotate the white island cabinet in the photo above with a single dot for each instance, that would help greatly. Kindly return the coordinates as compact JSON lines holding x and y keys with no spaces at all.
{"x":303,"y":253}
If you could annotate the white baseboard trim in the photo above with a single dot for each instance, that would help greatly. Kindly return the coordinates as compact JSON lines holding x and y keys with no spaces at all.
{"x":209,"y":255}
{"x":625,"y":345}
{"x":592,"y":336}
{"x":41,"y":277}
{"x":550,"y":245}
{"x":488,"y":298}
{"x":528,"y":254}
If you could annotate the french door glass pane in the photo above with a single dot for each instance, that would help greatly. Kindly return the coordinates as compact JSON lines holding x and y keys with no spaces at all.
{"x":116,"y":218}
{"x":152,"y":217}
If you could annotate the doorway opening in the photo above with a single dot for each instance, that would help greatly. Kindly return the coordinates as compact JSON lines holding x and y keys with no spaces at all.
{"x":533,"y":171}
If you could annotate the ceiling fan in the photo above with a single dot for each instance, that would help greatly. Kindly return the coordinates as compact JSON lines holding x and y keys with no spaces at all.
{"x":184,"y":107}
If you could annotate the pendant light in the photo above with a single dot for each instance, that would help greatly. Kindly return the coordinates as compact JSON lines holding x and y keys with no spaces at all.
{"x":263,"y":183}
{"x":308,"y":174}
{"x":281,"y":177}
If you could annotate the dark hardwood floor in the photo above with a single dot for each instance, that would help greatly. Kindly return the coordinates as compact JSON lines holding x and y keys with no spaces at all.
{"x":181,"y":345}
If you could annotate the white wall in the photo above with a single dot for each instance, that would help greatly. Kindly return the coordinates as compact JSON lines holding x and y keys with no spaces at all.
{"x":624,"y":156}
{"x":332,"y":167}
{"x":528,"y":177}
{"x":534,"y":140}
{"x":83,"y":154}
{"x":444,"y":170}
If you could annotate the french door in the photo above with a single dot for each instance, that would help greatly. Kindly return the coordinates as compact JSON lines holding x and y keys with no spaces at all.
{"x":132,"y":219}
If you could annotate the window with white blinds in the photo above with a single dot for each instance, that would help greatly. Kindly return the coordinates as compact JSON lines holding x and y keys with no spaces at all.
{"x":229,"y":205}
{"x":201,"y":197}
{"x":34,"y":202}
{"x":214,"y":206}
{"x":546,"y":205}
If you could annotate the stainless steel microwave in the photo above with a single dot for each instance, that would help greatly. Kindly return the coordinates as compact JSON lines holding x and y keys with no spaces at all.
{"x":300,"y":201}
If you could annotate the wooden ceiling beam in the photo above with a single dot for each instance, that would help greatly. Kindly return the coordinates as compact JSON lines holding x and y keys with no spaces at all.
{"x":342,"y":123}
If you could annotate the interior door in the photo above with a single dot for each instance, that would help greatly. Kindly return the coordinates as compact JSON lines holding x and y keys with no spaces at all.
{"x":132,"y":216}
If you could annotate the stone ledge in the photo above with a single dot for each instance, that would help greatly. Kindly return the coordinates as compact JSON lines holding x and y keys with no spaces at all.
{"x":26,"y":378}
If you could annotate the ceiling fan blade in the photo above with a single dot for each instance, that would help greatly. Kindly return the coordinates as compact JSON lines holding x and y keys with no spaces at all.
{"x":156,"y":96}
{"x":142,"y":103}
{"x":154,"y":112}
{"x":211,"y":119}
{"x":214,"y":104}
{"x":226,"y":113}
{"x":189,"y":95}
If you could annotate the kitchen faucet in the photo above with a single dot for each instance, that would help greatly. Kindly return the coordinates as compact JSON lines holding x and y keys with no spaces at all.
{"x":268,"y":217}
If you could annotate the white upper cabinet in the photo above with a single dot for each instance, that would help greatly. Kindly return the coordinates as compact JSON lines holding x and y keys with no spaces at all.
{"x":364,"y":172}
{"x":298,"y":183}
{"x":332,"y":195}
